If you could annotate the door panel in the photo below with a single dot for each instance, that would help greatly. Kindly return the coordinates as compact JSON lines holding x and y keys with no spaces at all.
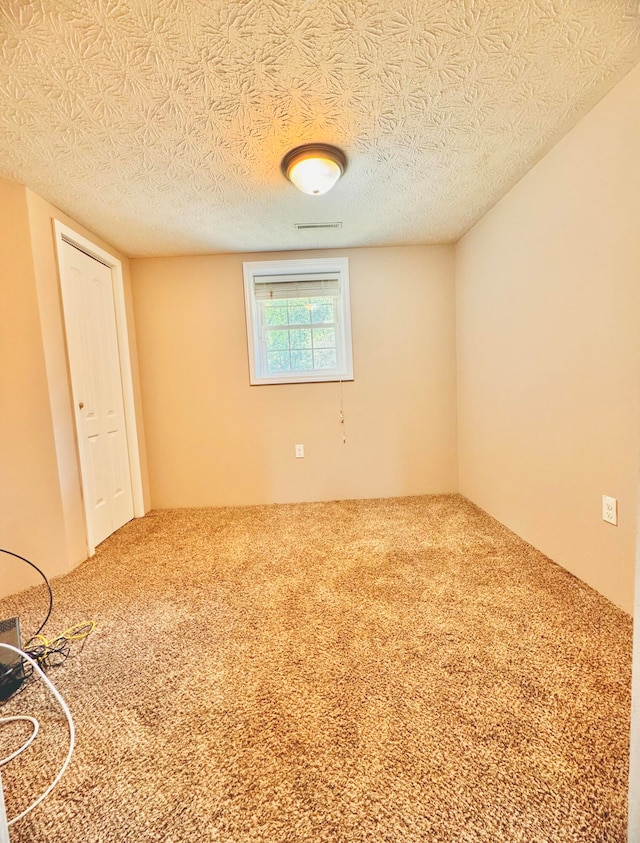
{"x":97,"y":390}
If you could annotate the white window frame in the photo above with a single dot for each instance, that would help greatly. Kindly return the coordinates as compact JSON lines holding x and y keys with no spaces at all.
{"x":256,"y":272}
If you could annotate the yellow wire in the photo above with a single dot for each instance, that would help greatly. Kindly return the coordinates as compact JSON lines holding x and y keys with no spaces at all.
{"x":70,"y":634}
{"x":40,"y":638}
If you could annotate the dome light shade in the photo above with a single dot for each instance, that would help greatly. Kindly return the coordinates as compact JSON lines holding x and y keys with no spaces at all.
{"x":315,"y":167}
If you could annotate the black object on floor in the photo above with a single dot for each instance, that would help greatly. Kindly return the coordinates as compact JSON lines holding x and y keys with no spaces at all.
{"x":11,"y":665}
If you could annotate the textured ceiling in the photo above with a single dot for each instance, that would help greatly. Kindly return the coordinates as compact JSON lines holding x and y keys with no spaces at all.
{"x":160,"y":124}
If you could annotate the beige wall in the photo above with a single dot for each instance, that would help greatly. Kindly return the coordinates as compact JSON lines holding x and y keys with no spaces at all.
{"x":31,"y":522}
{"x":41,"y":516}
{"x":548,"y":325}
{"x":214,"y":440}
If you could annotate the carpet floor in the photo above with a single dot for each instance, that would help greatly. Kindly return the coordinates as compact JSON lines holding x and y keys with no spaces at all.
{"x":384,"y":670}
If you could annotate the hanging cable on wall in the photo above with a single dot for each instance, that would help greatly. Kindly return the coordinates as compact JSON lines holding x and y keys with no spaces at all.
{"x":341,"y":417}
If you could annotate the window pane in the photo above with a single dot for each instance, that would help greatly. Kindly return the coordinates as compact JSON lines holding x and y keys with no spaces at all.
{"x":324,"y":338}
{"x":274,"y":314}
{"x":278,"y":361}
{"x":324,"y":358}
{"x":321,"y":312}
{"x":301,"y":360}
{"x":299,"y":315}
{"x":301,"y":338}
{"x":298,"y":332}
{"x":277,"y":340}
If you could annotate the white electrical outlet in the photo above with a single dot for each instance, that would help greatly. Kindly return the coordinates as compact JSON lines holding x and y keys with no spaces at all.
{"x":299,"y":451}
{"x":610,"y":510}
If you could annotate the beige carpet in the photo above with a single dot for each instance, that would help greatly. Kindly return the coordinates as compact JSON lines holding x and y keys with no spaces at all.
{"x":387,"y":670}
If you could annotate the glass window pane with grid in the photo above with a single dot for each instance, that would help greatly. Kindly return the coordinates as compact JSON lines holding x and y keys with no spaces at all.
{"x":300,"y":334}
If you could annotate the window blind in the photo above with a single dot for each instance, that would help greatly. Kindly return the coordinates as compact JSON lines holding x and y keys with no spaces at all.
{"x":295,"y":286}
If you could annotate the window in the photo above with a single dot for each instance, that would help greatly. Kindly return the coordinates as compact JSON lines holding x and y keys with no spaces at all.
{"x":298,"y":320}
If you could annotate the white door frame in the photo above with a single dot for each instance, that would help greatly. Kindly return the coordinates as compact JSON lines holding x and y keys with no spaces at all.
{"x":65,"y":234}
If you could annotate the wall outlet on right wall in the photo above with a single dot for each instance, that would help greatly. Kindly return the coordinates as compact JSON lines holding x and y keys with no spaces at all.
{"x":610,"y":510}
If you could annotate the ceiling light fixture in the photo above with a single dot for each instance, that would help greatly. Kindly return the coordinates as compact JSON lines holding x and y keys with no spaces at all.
{"x":315,"y":167}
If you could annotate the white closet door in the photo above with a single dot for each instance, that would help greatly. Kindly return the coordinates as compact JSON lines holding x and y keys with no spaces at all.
{"x":94,"y":362}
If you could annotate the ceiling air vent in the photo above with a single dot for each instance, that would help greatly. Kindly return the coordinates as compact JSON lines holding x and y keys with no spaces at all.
{"x":317,"y":226}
